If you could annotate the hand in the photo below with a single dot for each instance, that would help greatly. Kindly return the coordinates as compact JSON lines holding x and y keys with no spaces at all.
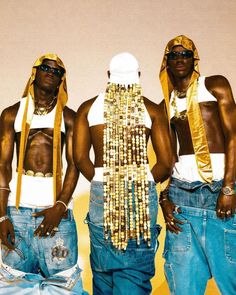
{"x":52,"y":218}
{"x":7,"y":229}
{"x":226,"y":205}
{"x":168,"y":208}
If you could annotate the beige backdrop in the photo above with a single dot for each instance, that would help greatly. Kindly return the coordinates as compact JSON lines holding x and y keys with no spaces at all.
{"x":86,"y":34}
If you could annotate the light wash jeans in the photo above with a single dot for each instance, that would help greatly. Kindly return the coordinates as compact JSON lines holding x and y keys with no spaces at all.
{"x":206,"y":247}
{"x":15,"y":282}
{"x":39,"y":258}
{"x":120,"y":272}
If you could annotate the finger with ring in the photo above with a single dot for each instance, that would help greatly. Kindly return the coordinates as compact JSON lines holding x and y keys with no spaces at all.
{"x":172,"y":223}
{"x":41,"y":225}
{"x":228,"y":212}
{"x":55,"y":229}
{"x":176,"y":209}
{"x":47,"y":233}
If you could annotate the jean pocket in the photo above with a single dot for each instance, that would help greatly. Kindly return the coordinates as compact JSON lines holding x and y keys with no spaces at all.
{"x":230,"y":245}
{"x":60,"y":251}
{"x":15,"y":258}
{"x":180,"y":242}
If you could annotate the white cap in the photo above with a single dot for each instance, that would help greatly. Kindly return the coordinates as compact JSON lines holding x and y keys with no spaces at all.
{"x":124,"y":69}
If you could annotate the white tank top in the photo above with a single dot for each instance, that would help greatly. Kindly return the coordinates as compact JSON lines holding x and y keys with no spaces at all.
{"x":96,"y":115}
{"x":203,"y":95}
{"x":43,"y":121}
{"x":186,"y":168}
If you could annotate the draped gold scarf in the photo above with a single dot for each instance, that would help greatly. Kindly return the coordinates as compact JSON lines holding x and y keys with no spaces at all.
{"x":195,"y":120}
{"x":26,"y":121}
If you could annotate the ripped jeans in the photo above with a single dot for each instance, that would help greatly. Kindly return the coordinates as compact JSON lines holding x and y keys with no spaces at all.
{"x":45,"y":255}
{"x":117,"y":272}
{"x":206,"y":247}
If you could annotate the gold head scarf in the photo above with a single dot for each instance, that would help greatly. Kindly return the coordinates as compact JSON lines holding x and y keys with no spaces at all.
{"x":195,"y":120}
{"x":27,"y":117}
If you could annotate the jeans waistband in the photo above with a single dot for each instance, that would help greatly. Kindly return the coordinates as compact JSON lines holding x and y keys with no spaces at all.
{"x":199,"y":212}
{"x":26,"y":211}
{"x":214,"y":186}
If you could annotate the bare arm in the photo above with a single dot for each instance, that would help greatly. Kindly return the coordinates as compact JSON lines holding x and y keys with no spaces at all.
{"x":7,"y":137}
{"x":82,"y":141}
{"x":161,"y":142}
{"x":220,"y":88}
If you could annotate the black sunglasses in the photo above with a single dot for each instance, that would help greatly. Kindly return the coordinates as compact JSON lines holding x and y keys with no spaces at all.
{"x":177,"y":54}
{"x":46,"y":68}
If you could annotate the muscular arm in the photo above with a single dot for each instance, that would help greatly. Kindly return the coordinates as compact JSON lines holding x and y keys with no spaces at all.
{"x":161,"y":142}
{"x":220,"y":88}
{"x":82,"y":141}
{"x":72,"y":173}
{"x":7,"y":137}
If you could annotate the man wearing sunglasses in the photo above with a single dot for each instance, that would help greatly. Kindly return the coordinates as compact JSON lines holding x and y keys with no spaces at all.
{"x":199,"y":204}
{"x":37,"y":227}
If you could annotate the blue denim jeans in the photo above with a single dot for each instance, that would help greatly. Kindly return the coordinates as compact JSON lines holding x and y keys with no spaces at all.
{"x":115,"y":271}
{"x":48,"y":255}
{"x":206,"y":247}
{"x":20,"y":283}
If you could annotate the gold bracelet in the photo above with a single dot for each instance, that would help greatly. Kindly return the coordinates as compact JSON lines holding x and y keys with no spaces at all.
{"x":3,"y":218}
{"x":59,"y":201}
{"x":5,"y":189}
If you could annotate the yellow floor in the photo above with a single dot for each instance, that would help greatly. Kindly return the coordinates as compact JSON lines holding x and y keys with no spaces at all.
{"x":159,"y":283}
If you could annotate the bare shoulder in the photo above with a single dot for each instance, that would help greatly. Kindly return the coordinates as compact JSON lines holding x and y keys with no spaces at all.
{"x":69,"y":116}
{"x":9,"y":114}
{"x":85,"y":106}
{"x":217,"y":85}
{"x":154,"y":109}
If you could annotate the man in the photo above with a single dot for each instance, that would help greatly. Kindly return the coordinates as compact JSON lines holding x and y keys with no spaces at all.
{"x":37,"y":227}
{"x":123,"y":202}
{"x":199,"y":208}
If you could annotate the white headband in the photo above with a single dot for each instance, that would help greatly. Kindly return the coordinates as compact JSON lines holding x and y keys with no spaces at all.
{"x":124,"y":69}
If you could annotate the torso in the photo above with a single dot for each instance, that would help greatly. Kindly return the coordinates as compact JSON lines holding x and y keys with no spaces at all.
{"x":212,"y":124}
{"x":39,"y":152}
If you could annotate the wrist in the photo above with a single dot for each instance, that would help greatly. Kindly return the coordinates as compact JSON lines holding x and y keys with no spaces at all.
{"x":62,"y":205}
{"x":228,"y":190}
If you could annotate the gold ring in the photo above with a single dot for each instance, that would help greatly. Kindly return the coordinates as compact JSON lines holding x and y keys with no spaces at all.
{"x":172,"y":223}
{"x":42,"y":226}
{"x":228,"y":212}
{"x":55,"y":229}
{"x":47,"y":233}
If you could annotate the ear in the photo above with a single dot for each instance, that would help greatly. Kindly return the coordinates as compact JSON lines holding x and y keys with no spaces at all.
{"x":108,"y":74}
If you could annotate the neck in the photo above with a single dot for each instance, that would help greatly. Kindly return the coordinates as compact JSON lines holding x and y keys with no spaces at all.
{"x":42,"y":97}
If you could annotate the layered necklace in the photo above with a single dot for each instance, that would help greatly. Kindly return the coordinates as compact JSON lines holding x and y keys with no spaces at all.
{"x":44,"y":110}
{"x":126,"y":195}
{"x":177,"y":114}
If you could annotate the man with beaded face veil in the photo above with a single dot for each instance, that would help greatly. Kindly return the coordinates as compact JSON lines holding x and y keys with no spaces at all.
{"x":199,"y":206}
{"x":123,"y":201}
{"x":37,"y":228}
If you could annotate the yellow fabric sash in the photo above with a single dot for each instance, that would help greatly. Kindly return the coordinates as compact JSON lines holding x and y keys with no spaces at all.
{"x":195,"y":120}
{"x":62,"y":98}
{"x":198,"y":134}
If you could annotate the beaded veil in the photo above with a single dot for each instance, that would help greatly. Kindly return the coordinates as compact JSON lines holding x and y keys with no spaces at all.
{"x":126,"y":199}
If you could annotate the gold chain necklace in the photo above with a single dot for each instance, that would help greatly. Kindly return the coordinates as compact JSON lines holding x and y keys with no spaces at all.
{"x":180,"y":94}
{"x":41,"y":111}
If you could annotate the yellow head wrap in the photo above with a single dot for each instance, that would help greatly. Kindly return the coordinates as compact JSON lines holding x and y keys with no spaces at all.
{"x":62,"y":98}
{"x":195,"y":120}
